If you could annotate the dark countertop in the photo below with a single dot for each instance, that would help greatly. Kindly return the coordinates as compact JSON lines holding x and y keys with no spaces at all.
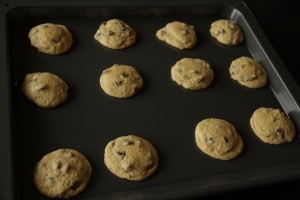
{"x":279,"y":20}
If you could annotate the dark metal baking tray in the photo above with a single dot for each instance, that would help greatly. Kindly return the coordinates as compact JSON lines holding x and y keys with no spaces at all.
{"x":161,"y":112}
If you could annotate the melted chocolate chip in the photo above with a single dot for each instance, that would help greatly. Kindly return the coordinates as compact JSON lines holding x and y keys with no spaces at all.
{"x":56,"y":40}
{"x":75,"y":185}
{"x":119,"y":82}
{"x":226,"y":139}
{"x":129,"y":142}
{"x":121,"y":154}
{"x":110,"y":33}
{"x":124,"y":74}
{"x":59,"y":165}
{"x":280,"y":132}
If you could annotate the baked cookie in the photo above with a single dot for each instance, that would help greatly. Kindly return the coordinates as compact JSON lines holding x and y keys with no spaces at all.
{"x":131,"y":157}
{"x":115,"y":34}
{"x":120,"y":81}
{"x":192,"y":73}
{"x":45,"y":89}
{"x":272,"y":126}
{"x":52,"y":39}
{"x":226,"y":32}
{"x":178,"y":34}
{"x":218,"y":138}
{"x":248,"y":72}
{"x":62,"y":173}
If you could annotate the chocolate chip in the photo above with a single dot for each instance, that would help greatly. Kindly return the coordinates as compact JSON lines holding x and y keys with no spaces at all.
{"x":110,"y":33}
{"x":280,"y":132}
{"x":150,"y":166}
{"x":43,"y":87}
{"x":203,"y":79}
{"x":210,"y":140}
{"x":58,"y":165}
{"x":113,"y":144}
{"x":219,"y":32}
{"x":121,"y":154}
{"x":119,"y":82}
{"x":123,"y":27}
{"x":226,"y":139}
{"x":56,"y":40}
{"x":129,"y":142}
{"x":75,"y":185}
{"x":124,"y":74}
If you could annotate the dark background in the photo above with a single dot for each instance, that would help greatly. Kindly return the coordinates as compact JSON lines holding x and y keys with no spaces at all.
{"x":280,"y":21}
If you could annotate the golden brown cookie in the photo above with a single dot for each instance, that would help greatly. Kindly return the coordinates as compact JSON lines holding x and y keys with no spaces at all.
{"x":120,"y":81}
{"x":45,"y":89}
{"x":178,"y":34}
{"x":272,"y":126}
{"x":226,"y":32}
{"x":131,"y":157}
{"x":192,"y":73}
{"x":51,"y":39}
{"x":248,"y":72}
{"x":115,"y":34}
{"x":62,"y":173}
{"x":218,"y":138}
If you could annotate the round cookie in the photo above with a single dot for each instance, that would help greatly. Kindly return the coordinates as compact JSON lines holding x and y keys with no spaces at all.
{"x":178,"y":34}
{"x":45,"y":89}
{"x":52,"y":39}
{"x":192,"y":73}
{"x":248,"y":72}
{"x":272,"y":126}
{"x":62,"y":173}
{"x":218,"y":138}
{"x":115,"y":34}
{"x":120,"y":81}
{"x":226,"y":32}
{"x":131,"y":157}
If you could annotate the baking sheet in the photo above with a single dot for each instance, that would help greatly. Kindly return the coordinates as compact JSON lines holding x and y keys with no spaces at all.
{"x":161,"y":112}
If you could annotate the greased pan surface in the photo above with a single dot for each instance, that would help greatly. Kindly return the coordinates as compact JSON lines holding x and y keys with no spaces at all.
{"x":161,"y":112}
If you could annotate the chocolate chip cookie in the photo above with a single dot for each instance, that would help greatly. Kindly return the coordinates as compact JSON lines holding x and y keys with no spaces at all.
{"x":62,"y":173}
{"x":248,"y":72}
{"x":272,"y":126}
{"x":45,"y":89}
{"x":131,"y":157}
{"x":226,"y":32}
{"x":120,"y":81}
{"x":192,"y":73}
{"x":218,"y":138}
{"x":51,"y":39}
{"x":115,"y":34}
{"x":178,"y":34}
